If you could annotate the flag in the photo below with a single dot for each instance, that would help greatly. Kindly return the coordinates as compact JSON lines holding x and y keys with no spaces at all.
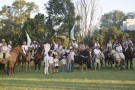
{"x":72,"y":33}
{"x":28,"y":39}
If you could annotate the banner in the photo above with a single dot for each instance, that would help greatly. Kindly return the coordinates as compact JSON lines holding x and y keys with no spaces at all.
{"x":72,"y":33}
{"x":28,"y":40}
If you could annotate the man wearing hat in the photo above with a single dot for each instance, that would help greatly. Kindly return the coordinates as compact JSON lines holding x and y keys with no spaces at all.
{"x":127,"y":42}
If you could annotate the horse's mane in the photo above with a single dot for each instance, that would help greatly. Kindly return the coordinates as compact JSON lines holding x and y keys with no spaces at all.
{"x":14,"y":49}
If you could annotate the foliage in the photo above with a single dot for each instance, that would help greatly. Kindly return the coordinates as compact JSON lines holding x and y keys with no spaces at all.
{"x":114,"y":18}
{"x":61,"y":17}
{"x":36,"y":27}
{"x":104,"y":35}
{"x":13,"y":17}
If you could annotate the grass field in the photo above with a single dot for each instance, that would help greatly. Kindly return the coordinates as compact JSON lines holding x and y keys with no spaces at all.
{"x":106,"y":79}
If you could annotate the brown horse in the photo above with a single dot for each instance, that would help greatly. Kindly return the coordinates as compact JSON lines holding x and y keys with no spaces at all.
{"x":11,"y":61}
{"x":38,"y":56}
{"x":25,"y":59}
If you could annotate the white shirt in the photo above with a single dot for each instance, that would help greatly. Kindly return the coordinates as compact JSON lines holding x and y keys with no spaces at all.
{"x":63,"y":61}
{"x":97,"y":51}
{"x":119,"y":48}
{"x":25,"y":48}
{"x":55,"y":46}
{"x":72,"y":54}
{"x":47,"y":47}
{"x":56,"y":62}
{"x":10,"y":47}
{"x":51,"y":60}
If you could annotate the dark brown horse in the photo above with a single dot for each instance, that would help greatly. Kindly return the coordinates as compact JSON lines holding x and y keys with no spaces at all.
{"x":129,"y":56}
{"x":11,"y":61}
{"x":38,"y":56}
{"x":83,"y":59}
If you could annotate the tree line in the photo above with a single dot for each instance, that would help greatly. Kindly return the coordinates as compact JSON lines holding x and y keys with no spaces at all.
{"x":61,"y":16}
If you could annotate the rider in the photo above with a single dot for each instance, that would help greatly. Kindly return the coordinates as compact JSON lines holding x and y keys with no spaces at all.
{"x":10,"y":45}
{"x":127,"y":42}
{"x":4,"y":49}
{"x":34,"y":46}
{"x":24,"y":47}
{"x":97,"y":44}
{"x":119,"y":48}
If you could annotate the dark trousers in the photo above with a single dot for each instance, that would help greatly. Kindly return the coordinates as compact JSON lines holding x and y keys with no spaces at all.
{"x":72,"y":65}
{"x":4,"y":55}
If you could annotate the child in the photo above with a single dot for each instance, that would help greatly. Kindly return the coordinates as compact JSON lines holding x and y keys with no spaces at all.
{"x":69,"y":62}
{"x":51,"y":66}
{"x":46,"y":60}
{"x":64,"y":64}
{"x":56,"y":61}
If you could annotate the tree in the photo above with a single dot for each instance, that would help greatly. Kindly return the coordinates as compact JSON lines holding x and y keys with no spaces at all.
{"x":35,"y":27}
{"x":87,"y":10}
{"x":13,"y":17}
{"x":114,"y":18}
{"x":61,"y":17}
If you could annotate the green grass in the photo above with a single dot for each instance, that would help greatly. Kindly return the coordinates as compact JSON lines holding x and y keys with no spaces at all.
{"x":106,"y":79}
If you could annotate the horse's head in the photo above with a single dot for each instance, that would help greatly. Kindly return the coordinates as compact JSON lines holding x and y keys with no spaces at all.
{"x":20,"y":50}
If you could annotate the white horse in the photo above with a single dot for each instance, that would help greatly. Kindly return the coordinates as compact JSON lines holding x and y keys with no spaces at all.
{"x":98,"y":59}
{"x":119,"y":58}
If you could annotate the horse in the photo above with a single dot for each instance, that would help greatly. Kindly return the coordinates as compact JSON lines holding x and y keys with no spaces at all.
{"x":129,"y":56}
{"x":109,"y":60}
{"x":38,"y":56}
{"x":98,"y":60}
{"x":28,"y":59}
{"x":119,"y":58}
{"x":12,"y":59}
{"x":83,"y":58}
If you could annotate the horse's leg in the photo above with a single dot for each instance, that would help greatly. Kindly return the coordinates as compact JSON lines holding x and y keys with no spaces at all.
{"x":99,"y":66}
{"x":26,"y":64}
{"x":131,"y":63}
{"x":95,"y":65}
{"x":39,"y":64}
{"x":127,"y":63}
{"x":82,"y":65}
{"x":29,"y":65}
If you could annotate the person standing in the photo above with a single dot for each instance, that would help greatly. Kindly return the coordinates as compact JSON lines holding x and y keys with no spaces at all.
{"x":46,"y":58}
{"x":51,"y":65}
{"x":72,"y":54}
{"x":64,"y":63}
{"x":56,"y":64}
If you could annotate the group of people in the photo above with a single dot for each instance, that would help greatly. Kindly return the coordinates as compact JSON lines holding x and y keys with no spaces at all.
{"x":53,"y":56}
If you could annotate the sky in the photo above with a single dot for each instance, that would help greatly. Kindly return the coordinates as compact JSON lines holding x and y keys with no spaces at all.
{"x":105,"y":5}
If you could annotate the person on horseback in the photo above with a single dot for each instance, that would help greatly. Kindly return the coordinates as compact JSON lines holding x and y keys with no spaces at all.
{"x":4,"y":49}
{"x":97,"y":44}
{"x":24,"y":47}
{"x":109,"y":44}
{"x":10,"y":45}
{"x":119,"y":48}
{"x":127,"y":42}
